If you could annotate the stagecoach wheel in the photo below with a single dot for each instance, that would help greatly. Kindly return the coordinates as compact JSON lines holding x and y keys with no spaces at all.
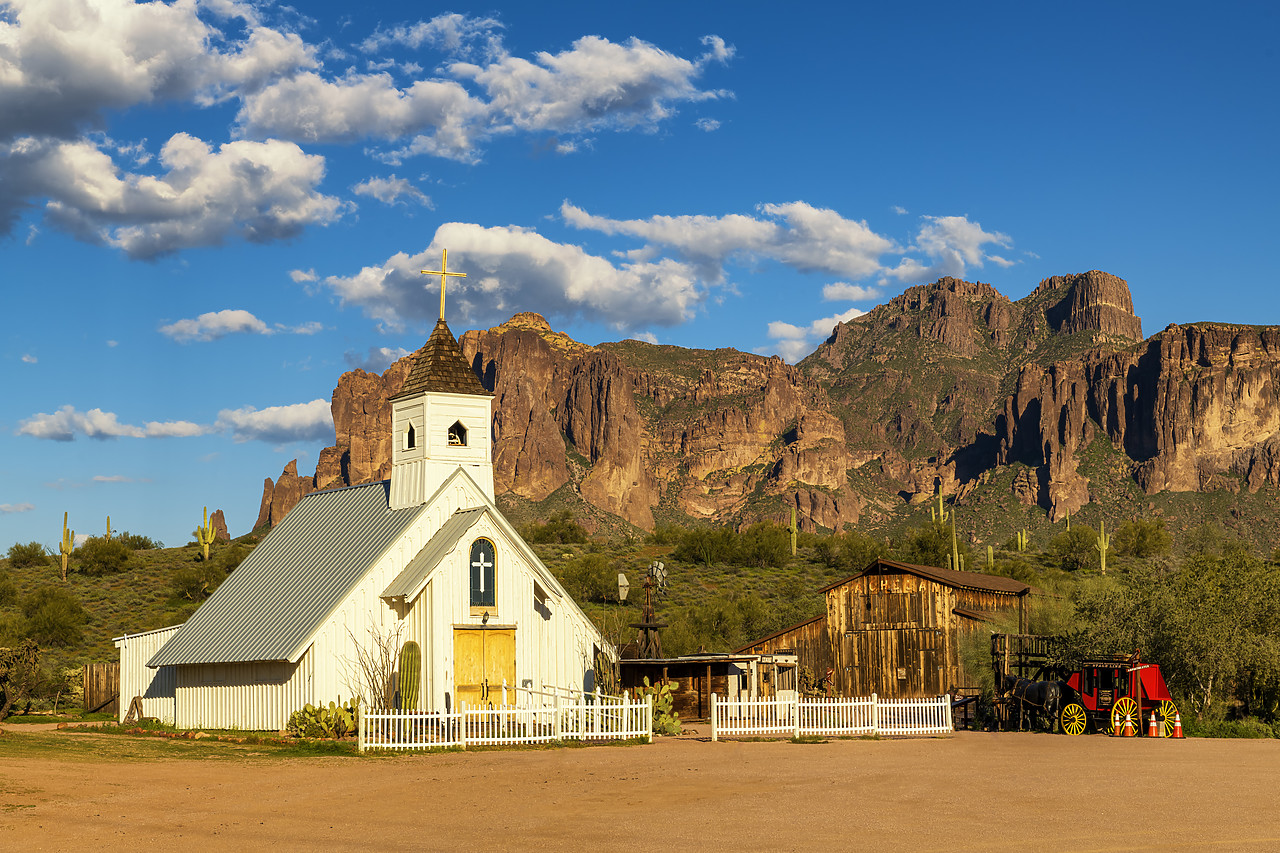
{"x":1125,"y":709}
{"x":1073,"y":719}
{"x":1165,"y":712}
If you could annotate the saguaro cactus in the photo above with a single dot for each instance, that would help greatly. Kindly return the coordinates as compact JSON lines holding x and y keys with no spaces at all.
{"x":108,"y":527}
{"x":991,"y":557}
{"x":410,"y":673}
{"x":1024,"y":539}
{"x":939,"y":515}
{"x":1101,"y":544}
{"x":67,"y":545}
{"x":205,"y":534}
{"x":956,"y":563}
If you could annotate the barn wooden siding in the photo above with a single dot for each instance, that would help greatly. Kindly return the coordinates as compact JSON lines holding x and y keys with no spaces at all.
{"x":102,"y":687}
{"x":807,"y":640}
{"x":155,"y":687}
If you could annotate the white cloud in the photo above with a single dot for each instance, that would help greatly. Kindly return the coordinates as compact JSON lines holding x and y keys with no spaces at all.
{"x":457,"y":35}
{"x":594,"y":85}
{"x":804,"y":237}
{"x":707,"y":124}
{"x":647,"y":337}
{"x":64,"y":65}
{"x":899,"y":209}
{"x":218,"y":324}
{"x":215,"y":324}
{"x":28,"y":358}
{"x":952,"y":244}
{"x":66,"y":423}
{"x":279,"y":424}
{"x":6,"y":509}
{"x":391,"y":190}
{"x":795,"y":342}
{"x":376,"y":360}
{"x":300,"y":276}
{"x":512,"y":269}
{"x":113,"y":478}
{"x":840,"y":291}
{"x":256,"y":191}
{"x":113,"y":344}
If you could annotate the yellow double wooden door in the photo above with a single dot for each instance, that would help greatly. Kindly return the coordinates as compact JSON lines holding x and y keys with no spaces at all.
{"x":483,"y":659}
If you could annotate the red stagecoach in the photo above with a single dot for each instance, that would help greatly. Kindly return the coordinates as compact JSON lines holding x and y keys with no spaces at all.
{"x":1102,"y":693}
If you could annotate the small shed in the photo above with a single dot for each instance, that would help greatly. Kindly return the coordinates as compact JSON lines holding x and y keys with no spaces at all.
{"x":696,"y":677}
{"x":894,"y":628}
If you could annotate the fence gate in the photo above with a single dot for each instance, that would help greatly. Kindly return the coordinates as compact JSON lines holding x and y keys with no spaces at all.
{"x":102,"y":688}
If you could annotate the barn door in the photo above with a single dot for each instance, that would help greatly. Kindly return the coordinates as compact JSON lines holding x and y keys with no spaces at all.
{"x":483,"y":658}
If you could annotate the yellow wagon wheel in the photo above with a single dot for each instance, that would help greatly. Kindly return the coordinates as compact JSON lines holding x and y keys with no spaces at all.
{"x":1073,"y":719}
{"x":1165,"y":713}
{"x":1125,"y":710}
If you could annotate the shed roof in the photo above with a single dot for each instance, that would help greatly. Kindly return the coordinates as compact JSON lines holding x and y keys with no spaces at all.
{"x":787,"y":630}
{"x":271,"y":605}
{"x":441,"y":367}
{"x":949,"y":577}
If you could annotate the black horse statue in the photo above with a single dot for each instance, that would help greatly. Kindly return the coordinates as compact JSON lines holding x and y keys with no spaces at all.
{"x":1034,"y":698}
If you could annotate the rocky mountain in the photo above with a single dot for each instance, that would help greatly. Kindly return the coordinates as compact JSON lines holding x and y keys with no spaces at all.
{"x":939,"y":387}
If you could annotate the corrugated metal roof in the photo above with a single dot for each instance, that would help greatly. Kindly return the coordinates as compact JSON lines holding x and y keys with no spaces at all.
{"x":969,"y":580}
{"x":280,"y":594}
{"x":411,"y":581}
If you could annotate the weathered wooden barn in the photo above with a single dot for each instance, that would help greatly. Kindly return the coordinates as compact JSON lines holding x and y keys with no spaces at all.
{"x":350,"y":573}
{"x":894,"y":629}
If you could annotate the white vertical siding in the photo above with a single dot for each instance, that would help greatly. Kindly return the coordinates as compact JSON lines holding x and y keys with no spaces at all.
{"x":154,"y":686}
{"x":250,"y":696}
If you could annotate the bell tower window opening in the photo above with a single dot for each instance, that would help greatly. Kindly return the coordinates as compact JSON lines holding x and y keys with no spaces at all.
{"x":482,"y":573}
{"x":410,"y":438}
{"x":457,"y":435}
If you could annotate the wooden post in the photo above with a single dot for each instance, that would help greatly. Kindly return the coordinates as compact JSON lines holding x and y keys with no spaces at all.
{"x":715,"y":734}
{"x":708,"y":688}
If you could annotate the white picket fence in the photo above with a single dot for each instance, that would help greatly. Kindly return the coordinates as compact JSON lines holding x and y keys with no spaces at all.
{"x":799,"y":717}
{"x":535,"y":717}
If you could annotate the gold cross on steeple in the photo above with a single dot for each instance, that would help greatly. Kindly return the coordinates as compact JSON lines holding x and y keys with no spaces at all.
{"x":442,"y":272}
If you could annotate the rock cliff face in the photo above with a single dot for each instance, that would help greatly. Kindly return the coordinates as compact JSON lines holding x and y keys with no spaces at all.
{"x":935,"y":389}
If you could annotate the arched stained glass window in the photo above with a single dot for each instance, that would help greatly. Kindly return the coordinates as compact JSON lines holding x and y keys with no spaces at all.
{"x":483,"y":557}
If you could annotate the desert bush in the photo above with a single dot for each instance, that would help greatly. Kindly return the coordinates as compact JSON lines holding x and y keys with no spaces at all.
{"x":849,"y":552}
{"x":664,"y":534}
{"x":23,"y":556}
{"x":592,"y":577}
{"x":99,"y":556}
{"x":138,"y":542}
{"x":707,"y":545}
{"x":763,"y":544}
{"x":560,"y":527}
{"x":8,"y":592}
{"x":1142,"y":539}
{"x":53,"y":617}
{"x":930,"y":545}
{"x":1075,"y":549}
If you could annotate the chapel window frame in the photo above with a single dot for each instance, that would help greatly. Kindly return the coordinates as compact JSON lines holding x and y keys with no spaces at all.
{"x":482,"y":578}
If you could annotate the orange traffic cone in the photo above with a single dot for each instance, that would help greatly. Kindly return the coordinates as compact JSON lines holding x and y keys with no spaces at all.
{"x":1152,"y":730}
{"x":1177,"y":725}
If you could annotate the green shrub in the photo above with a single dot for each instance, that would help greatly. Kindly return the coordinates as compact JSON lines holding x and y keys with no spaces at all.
{"x":559,"y":528}
{"x":197,"y":581}
{"x":849,"y":552}
{"x":664,"y":534}
{"x":100,"y":556}
{"x":1142,"y":539}
{"x":25,"y":556}
{"x":8,"y":592}
{"x":1075,"y":549}
{"x":707,"y":545}
{"x":592,"y":577}
{"x":763,"y":544}
{"x":54,"y":617}
{"x":138,"y":542}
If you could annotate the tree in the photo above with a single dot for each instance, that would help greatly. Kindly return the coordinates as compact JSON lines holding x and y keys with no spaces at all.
{"x":850,"y":552}
{"x":560,"y":527}
{"x":19,"y":675}
{"x":54,"y":617}
{"x":25,"y":556}
{"x":8,"y":592}
{"x":1074,"y":548}
{"x":930,"y":545}
{"x":101,"y":556}
{"x":764,"y":544}
{"x":1142,"y":538}
{"x":592,"y":577}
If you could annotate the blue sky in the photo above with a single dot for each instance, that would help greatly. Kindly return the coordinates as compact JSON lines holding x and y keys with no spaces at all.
{"x":209,"y":211}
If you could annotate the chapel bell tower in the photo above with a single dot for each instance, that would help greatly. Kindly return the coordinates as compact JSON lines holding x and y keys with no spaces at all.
{"x":440,"y":421}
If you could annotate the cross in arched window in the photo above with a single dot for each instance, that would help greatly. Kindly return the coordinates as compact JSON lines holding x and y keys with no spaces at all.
{"x":482,"y":574}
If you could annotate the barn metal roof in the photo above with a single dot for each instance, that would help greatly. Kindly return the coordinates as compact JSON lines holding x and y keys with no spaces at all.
{"x":411,"y":581}
{"x":272,"y":604}
{"x":949,"y":577}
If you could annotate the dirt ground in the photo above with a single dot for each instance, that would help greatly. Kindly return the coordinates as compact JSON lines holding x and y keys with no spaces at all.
{"x":969,"y":792}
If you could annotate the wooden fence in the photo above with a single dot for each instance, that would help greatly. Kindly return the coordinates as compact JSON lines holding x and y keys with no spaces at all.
{"x":102,"y":687}
{"x":589,"y":717}
{"x":800,"y":717}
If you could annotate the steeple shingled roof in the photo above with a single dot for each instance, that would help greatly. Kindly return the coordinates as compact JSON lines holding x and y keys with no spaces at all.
{"x":442,"y":368}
